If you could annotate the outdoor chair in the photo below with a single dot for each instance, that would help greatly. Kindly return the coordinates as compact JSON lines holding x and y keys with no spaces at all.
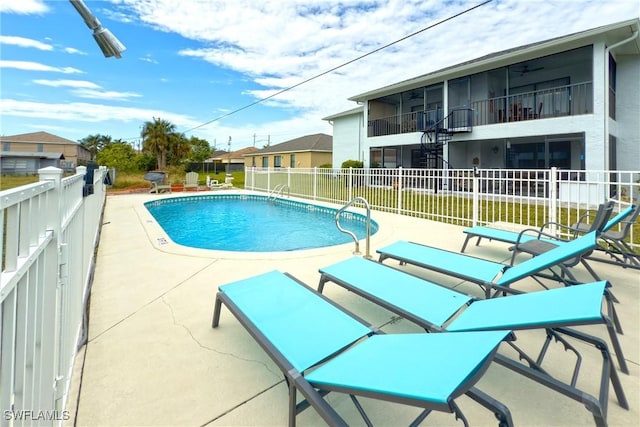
{"x":494,"y":276}
{"x":159,"y":182}
{"x":538,"y":245}
{"x":190,"y":181}
{"x":440,"y":309}
{"x":613,"y":241}
{"x":599,"y":221}
{"x":320,"y":348}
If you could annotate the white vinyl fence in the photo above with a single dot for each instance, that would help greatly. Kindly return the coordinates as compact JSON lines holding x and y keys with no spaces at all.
{"x":50,"y":233}
{"x":467,"y":197}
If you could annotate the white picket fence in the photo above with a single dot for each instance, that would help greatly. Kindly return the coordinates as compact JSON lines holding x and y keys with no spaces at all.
{"x":50,"y":233}
{"x":467,"y":197}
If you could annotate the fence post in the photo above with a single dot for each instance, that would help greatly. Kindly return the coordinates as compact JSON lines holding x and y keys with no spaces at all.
{"x":50,"y":390}
{"x":399,"y":187}
{"x":350,"y":180}
{"x":475,"y":206}
{"x":315,"y":182}
{"x":268,"y":180}
{"x":553,"y":199}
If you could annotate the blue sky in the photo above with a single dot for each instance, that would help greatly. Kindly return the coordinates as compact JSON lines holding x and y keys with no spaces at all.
{"x":193,"y":61}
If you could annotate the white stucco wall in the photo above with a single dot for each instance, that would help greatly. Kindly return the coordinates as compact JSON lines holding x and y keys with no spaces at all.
{"x":348,"y":139}
{"x":627,"y":130}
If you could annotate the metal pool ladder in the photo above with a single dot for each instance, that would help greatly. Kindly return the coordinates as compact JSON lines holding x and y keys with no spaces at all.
{"x":278,"y":190}
{"x":352,"y":234}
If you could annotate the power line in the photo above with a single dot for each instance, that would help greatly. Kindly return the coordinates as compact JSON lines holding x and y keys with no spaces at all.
{"x":280,"y":92}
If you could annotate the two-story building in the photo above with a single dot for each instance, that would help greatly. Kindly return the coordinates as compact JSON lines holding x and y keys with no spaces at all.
{"x":27,"y":152}
{"x":572,"y":102}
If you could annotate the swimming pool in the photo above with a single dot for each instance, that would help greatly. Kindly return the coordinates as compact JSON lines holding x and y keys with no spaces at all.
{"x":252,"y":223}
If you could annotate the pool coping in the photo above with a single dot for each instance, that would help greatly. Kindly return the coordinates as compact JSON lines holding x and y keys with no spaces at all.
{"x":161,"y":241}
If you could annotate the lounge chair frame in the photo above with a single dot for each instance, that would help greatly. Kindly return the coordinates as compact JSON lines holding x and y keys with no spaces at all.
{"x":349,"y":275}
{"x":498,"y":277}
{"x":614,"y":245}
{"x":600,"y":222}
{"x":313,"y":394}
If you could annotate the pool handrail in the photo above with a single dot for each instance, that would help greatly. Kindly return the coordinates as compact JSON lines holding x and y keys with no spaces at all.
{"x":352,"y":234}
{"x":277,"y":190}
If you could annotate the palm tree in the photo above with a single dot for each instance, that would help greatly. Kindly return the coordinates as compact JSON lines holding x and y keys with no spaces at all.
{"x":95,"y":143}
{"x":156,"y":136}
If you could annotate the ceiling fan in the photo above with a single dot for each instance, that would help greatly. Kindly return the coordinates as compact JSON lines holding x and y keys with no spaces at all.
{"x":525,"y":69}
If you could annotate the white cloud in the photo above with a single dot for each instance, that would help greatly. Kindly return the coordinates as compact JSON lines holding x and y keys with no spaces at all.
{"x":23,"y":6}
{"x":148,"y":59}
{"x":68,"y":83}
{"x":24,"y":42}
{"x":86,"y":89}
{"x":74,"y":51}
{"x":36,"y":66}
{"x":87,"y":112}
{"x":104,"y":94}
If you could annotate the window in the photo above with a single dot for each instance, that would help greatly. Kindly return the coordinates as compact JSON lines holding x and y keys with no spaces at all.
{"x":277,"y":161}
{"x":40,"y":148}
{"x":265,"y":162}
{"x":292,"y":161}
{"x":6,"y":146}
{"x":612,"y":87}
{"x":526,"y":156}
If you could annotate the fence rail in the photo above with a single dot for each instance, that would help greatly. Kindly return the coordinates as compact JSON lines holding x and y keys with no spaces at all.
{"x":49,"y":235}
{"x":467,"y":197}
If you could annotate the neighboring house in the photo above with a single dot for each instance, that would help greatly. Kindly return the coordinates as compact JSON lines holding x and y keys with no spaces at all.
{"x":27,"y":152}
{"x":571,"y":102}
{"x":234,"y":161}
{"x":304,"y":152}
{"x":27,"y":163}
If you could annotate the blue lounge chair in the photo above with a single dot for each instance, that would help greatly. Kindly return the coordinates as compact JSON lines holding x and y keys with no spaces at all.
{"x":490,"y":275}
{"x":601,"y":221}
{"x":320,"y":347}
{"x":614,"y":244}
{"x":439,"y":309}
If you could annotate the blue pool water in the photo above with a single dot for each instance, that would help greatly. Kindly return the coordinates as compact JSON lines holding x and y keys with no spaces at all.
{"x":252,"y":223}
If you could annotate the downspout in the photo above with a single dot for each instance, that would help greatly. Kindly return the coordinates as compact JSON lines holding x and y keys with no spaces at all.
{"x":607,"y":51}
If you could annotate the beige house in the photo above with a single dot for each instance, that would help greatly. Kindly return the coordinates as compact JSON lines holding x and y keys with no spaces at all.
{"x":27,"y":152}
{"x":233,"y":160}
{"x":304,"y":152}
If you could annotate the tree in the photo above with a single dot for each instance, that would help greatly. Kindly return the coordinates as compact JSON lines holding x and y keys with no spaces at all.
{"x":179,"y":149}
{"x":200,"y":149}
{"x":95,"y":143}
{"x":156,"y":137}
{"x":119,"y":155}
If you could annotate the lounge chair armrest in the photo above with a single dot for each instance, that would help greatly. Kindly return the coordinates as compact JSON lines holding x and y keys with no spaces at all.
{"x":527,"y":232}
{"x":573,"y":229}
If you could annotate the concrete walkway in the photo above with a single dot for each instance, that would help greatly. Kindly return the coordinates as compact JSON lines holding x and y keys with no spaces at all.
{"x":154,"y":360}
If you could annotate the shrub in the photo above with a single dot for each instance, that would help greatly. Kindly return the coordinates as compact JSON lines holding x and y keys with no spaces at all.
{"x":352,"y":164}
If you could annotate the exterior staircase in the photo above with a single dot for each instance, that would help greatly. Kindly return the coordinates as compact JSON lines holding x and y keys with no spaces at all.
{"x":437,"y":133}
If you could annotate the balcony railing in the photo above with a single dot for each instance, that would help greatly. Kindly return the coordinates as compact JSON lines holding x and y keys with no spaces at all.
{"x":569,"y":100}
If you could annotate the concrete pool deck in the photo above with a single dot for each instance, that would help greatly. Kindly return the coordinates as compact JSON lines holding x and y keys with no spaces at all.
{"x":153,"y":358}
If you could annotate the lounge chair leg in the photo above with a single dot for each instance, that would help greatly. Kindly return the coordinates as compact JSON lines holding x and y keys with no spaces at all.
{"x":464,"y":245}
{"x":216,"y":313}
{"x":500,"y":410}
{"x":361,"y":410}
{"x":292,"y":404}
{"x":617,"y":348}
